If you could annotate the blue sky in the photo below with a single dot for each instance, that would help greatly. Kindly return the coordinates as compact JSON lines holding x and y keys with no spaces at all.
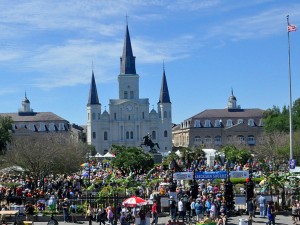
{"x":208,"y":46}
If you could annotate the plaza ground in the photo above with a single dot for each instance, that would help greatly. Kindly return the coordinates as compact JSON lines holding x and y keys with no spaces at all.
{"x":281,"y":219}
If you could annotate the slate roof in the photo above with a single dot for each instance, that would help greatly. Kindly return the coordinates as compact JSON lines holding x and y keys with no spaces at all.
{"x":127,"y":59}
{"x":34,"y":117}
{"x":164,"y":91}
{"x":93,"y":96}
{"x":227,"y":113}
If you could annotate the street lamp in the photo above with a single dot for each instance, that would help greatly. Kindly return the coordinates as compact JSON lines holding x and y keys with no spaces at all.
{"x":229,"y":189}
{"x":172,"y":166}
{"x":250,"y":183}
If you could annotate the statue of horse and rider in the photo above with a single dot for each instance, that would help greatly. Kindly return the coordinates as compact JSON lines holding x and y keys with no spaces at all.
{"x":147,"y":141}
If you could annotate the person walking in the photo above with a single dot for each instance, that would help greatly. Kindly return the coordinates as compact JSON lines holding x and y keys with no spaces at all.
{"x":65,"y":207}
{"x":262,"y":205}
{"x":154,"y":213}
{"x":295,"y":212}
{"x":110,"y":215}
{"x":73,"y":211}
{"x":250,"y":209}
{"x":89,"y":214}
{"x":271,"y":213}
{"x":172,"y":208}
{"x":181,"y":210}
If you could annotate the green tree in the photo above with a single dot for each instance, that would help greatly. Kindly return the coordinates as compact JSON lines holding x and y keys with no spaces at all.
{"x":233,"y":154}
{"x":278,"y":120}
{"x":129,"y":159}
{"x":5,"y":132}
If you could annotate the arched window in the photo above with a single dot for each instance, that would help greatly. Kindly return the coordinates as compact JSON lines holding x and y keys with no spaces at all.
{"x":127,"y":134}
{"x":207,"y":140}
{"x":197,"y":139}
{"x":125,"y":94}
{"x":94,"y":135}
{"x":165,"y":114}
{"x":251,"y":140}
{"x":105,"y":136}
{"x":153,"y":134}
{"x":165,"y":133}
{"x":131,"y":134}
{"x":218,"y":140}
{"x":241,"y":139}
{"x":115,"y":116}
{"x":240,"y":121}
{"x":207,"y":123}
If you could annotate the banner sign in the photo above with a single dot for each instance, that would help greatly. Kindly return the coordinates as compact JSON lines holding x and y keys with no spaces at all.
{"x":239,"y":174}
{"x":292,"y":163}
{"x":183,"y":176}
{"x":211,"y":175}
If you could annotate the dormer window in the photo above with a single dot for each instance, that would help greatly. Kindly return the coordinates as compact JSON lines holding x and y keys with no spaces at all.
{"x":261,"y":122}
{"x":61,"y":126}
{"x":218,"y":123}
{"x":229,"y":123}
{"x":197,"y":123}
{"x":42,"y":127}
{"x":32,"y":127}
{"x":240,"y":121}
{"x":51,"y":127}
{"x":251,"y":122}
{"x":207,"y":123}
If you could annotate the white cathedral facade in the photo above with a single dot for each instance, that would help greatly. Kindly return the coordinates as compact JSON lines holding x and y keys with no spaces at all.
{"x":129,"y":119}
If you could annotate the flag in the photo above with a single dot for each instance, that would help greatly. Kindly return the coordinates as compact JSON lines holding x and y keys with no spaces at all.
{"x":291,"y":28}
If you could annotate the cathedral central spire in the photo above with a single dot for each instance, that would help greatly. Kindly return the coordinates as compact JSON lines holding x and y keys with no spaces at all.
{"x":127,"y":60}
{"x":164,"y":91}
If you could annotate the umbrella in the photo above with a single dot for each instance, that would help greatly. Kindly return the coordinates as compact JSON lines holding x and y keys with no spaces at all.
{"x":134,"y":201}
{"x":84,"y":164}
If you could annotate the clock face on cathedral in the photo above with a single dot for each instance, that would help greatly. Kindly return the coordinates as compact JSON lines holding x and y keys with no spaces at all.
{"x":129,"y":107}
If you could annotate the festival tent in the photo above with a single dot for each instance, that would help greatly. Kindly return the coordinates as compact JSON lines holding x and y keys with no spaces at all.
{"x":109,"y":155}
{"x":98,"y":155}
{"x":134,"y":201}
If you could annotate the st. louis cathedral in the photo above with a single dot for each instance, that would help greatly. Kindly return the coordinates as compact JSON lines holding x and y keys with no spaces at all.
{"x":129,"y":119}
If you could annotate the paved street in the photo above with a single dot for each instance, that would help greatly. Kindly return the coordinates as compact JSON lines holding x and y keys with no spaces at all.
{"x":280,"y":220}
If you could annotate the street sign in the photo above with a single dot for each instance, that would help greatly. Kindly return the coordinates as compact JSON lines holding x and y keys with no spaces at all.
{"x":211,"y":175}
{"x":183,"y":176}
{"x":239,"y":174}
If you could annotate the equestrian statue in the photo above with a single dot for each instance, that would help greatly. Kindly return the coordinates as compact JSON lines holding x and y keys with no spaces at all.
{"x":147,"y":141}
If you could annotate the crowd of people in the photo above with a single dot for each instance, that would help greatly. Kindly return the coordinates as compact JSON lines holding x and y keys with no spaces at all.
{"x":61,"y":192}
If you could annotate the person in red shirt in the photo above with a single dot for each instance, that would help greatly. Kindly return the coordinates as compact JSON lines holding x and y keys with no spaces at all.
{"x":154,"y":213}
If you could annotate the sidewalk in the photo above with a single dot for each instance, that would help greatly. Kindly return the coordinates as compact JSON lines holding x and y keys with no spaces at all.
{"x":163,"y":220}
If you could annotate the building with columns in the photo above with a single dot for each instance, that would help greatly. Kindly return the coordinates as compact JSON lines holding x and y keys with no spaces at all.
{"x":128,"y":118}
{"x":214,"y":128}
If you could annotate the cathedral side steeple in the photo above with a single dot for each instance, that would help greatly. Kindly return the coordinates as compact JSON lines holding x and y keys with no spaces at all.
{"x":127,"y":60}
{"x":93,"y":96}
{"x":164,"y":91}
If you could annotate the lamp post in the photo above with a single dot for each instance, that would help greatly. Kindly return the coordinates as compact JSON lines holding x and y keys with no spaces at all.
{"x":172,"y":166}
{"x":249,"y":183}
{"x":229,"y":189}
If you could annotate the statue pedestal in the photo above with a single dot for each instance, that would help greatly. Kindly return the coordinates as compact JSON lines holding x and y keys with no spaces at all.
{"x":157,"y":157}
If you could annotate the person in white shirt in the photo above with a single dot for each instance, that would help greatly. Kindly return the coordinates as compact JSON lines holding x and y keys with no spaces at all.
{"x":181,"y":210}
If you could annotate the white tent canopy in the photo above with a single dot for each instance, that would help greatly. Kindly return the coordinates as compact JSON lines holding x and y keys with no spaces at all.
{"x":98,"y":155}
{"x":109,"y":155}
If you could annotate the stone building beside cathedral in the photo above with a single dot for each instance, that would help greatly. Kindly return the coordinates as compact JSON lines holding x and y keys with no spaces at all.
{"x":214,"y":128}
{"x":128,"y":118}
{"x":27,"y":122}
